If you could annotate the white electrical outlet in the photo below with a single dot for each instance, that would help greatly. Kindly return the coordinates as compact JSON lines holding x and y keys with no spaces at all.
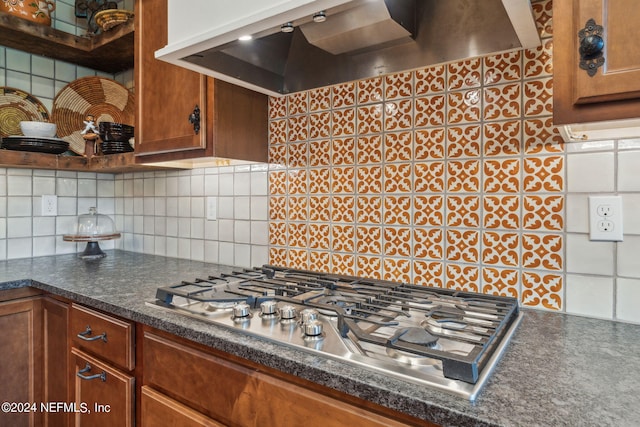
{"x":212,"y":208}
{"x":49,"y":205}
{"x":605,"y":218}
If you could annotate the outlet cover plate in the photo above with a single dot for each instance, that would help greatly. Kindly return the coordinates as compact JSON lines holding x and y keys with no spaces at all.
{"x":605,"y":218}
{"x":49,"y":205}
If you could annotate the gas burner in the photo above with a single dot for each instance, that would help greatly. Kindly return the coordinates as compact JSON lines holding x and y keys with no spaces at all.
{"x":430,"y":336}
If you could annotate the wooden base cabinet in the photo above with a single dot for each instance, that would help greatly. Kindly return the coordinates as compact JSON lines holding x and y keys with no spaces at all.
{"x":158,"y":410}
{"x":20,"y":371}
{"x":103,"y":363}
{"x":239,"y":395}
{"x":103,"y":395}
{"x":612,"y":92}
{"x":55,"y":359}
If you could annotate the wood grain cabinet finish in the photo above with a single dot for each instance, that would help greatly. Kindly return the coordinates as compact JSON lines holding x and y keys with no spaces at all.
{"x":21,"y":350}
{"x":55,"y":358}
{"x":103,"y":395}
{"x":238,"y":395}
{"x":233,"y":120}
{"x":613,"y":92}
{"x":102,"y":335}
{"x":160,"y":410}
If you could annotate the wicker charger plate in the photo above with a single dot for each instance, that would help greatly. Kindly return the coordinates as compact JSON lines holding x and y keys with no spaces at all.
{"x":105,"y":99}
{"x":17,"y":106}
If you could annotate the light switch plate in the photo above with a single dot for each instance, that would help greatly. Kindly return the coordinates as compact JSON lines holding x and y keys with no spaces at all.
{"x":212,"y":208}
{"x":605,"y":218}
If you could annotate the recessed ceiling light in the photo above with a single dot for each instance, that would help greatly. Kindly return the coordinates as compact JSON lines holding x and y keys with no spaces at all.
{"x":245,"y":37}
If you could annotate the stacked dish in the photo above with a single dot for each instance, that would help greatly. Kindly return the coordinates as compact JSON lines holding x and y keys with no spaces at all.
{"x":36,"y":144}
{"x":115,"y":137}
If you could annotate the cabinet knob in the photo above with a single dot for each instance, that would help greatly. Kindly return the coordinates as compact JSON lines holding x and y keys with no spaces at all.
{"x":591,"y":47}
{"x":194,"y":119}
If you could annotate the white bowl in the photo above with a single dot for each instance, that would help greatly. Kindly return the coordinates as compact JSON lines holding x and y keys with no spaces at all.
{"x":38,"y":129}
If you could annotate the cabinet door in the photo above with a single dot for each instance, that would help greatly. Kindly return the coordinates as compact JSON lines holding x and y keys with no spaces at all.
{"x":103,"y":395}
{"x":166,"y":95}
{"x":158,"y":409}
{"x":55,"y":317}
{"x":20,"y":373}
{"x":613,"y":92}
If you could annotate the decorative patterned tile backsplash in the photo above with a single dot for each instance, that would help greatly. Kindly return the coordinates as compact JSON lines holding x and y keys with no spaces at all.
{"x":449,"y":176}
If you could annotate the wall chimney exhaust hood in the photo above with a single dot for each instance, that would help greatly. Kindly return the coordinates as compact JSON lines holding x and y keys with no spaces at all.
{"x":358,"y":39}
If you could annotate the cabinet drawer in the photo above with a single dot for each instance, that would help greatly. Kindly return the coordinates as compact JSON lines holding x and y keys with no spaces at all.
{"x":237,"y":395}
{"x":158,"y":409}
{"x":105,"y":336}
{"x":103,"y":395}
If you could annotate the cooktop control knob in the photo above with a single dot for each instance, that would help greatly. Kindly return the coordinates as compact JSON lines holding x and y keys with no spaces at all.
{"x":313,"y":328}
{"x":241,"y":310}
{"x":307,"y":315}
{"x":268,"y":308}
{"x":287,"y":312}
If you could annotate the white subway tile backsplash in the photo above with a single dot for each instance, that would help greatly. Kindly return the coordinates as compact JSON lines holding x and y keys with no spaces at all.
{"x":225,"y":207}
{"x":19,"y":185}
{"x":19,"y":206}
{"x":585,"y":256}
{"x":628,"y":171}
{"x":225,"y":230}
{"x":242,"y":233}
{"x":242,"y":207}
{"x":43,"y":246}
{"x":19,"y":227}
{"x":627,"y":297}
{"x":67,"y":187}
{"x":211,"y":185}
{"x":44,"y":226}
{"x":44,"y":185}
{"x":226,"y":253}
{"x":225,"y":184}
{"x":242,"y":255}
{"x":197,"y":207}
{"x":594,"y":172}
{"x":631,"y":213}
{"x":259,"y":208}
{"x":589,"y":296}
{"x":628,"y":257}
{"x":197,"y":228}
{"x":242,"y":184}
{"x":19,"y":248}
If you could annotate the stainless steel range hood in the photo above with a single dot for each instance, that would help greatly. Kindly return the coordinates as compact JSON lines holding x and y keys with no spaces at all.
{"x":358,"y":39}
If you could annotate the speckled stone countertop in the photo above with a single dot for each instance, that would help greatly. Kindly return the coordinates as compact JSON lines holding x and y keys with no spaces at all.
{"x":558,"y":370}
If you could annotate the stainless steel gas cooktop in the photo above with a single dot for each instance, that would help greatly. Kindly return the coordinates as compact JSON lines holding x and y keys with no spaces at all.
{"x":441,"y":338}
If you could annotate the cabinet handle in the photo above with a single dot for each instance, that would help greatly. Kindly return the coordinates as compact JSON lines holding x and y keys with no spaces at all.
{"x":194,"y":119}
{"x":84,"y":335}
{"x":87,"y":368}
{"x":591,"y":46}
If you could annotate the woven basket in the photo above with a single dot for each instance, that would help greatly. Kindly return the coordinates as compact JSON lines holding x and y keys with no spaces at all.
{"x":17,"y":106}
{"x":105,"y":99}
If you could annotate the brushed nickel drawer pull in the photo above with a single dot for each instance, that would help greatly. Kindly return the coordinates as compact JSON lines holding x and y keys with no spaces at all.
{"x":84,"y":335}
{"x":87,"y":368}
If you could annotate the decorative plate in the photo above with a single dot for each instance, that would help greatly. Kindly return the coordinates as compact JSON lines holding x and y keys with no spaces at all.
{"x":38,"y":145}
{"x":109,"y":18}
{"x":104,"y":99}
{"x":17,"y":106}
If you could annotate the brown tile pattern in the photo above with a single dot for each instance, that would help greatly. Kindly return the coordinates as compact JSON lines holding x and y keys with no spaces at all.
{"x":449,"y":176}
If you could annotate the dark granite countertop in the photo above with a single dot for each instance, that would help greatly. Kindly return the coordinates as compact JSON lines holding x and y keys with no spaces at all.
{"x":558,"y":370}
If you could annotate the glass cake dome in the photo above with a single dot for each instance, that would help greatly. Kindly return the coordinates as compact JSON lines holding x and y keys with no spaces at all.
{"x":92,"y":227}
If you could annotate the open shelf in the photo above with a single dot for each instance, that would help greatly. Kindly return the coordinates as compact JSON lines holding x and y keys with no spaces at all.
{"x":114,"y":163}
{"x":110,"y":52}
